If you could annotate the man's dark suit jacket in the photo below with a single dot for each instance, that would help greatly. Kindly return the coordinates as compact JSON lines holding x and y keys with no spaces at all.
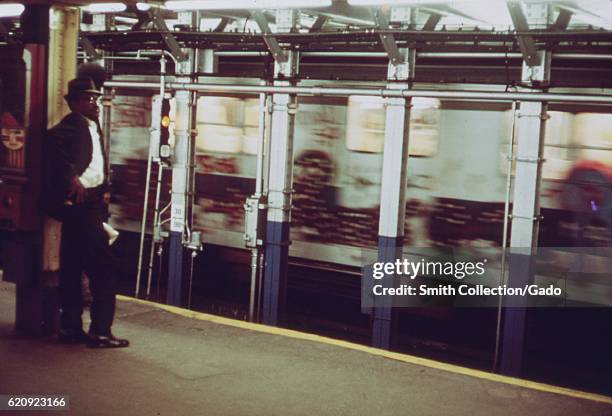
{"x":68,"y":153}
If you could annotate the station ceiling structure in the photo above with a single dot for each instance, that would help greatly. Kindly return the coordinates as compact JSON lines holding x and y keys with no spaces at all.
{"x":483,"y":41}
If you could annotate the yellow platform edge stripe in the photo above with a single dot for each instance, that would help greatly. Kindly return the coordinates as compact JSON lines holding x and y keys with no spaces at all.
{"x":451,"y":368}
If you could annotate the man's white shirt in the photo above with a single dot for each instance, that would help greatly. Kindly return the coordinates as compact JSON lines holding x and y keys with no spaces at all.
{"x":94,"y":174}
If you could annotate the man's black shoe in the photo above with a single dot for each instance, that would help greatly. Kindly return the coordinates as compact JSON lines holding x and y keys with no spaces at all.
{"x":72,"y":336}
{"x":106,"y":341}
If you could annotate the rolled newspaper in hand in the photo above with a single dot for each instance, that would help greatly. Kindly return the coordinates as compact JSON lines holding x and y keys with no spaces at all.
{"x":111,"y":232}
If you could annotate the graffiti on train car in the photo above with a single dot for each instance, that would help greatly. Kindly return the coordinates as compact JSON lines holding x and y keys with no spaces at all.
{"x":456,"y":171}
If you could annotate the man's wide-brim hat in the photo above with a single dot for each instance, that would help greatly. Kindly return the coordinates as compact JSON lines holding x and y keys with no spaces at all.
{"x":81,"y":86}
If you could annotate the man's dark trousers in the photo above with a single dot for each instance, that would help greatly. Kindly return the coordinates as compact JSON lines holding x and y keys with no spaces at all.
{"x":84,"y":248}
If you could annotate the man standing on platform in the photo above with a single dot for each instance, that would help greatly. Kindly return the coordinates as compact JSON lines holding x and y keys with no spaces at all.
{"x":77,"y":194}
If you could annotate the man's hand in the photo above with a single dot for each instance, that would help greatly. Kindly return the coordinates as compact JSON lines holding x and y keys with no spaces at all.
{"x":106,"y":198}
{"x":77,"y":190}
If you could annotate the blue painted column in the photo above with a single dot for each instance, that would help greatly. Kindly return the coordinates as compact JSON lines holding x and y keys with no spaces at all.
{"x":515,"y":315}
{"x":389,"y":249}
{"x":280,"y":181}
{"x":275,"y":276}
{"x":393,"y":189}
{"x":175,"y":269}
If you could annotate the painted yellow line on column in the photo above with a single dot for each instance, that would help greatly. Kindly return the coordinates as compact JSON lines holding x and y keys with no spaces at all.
{"x":548,"y":388}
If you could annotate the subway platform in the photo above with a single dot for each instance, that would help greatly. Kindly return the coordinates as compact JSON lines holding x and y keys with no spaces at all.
{"x":186,"y":363}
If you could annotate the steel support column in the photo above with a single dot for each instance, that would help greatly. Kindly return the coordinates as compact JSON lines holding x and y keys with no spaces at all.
{"x":107,"y":103}
{"x":62,"y":62}
{"x":280,"y":183}
{"x":393,"y":189}
{"x":180,"y":178}
{"x":36,"y":296}
{"x":525,"y":215}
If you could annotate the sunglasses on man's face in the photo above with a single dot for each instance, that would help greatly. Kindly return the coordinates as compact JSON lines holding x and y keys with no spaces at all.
{"x":91,"y":99}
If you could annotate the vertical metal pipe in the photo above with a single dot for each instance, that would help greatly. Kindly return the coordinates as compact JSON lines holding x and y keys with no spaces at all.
{"x":107,"y":106}
{"x":152,"y":151}
{"x":265,"y":186}
{"x":156,"y":222}
{"x":261,"y":142}
{"x":504,"y":246}
{"x":192,"y":182}
{"x":143,"y":224}
{"x":196,"y":17}
{"x":259,"y":177}
{"x":254,"y":281}
{"x":267,"y":133}
{"x":107,"y":103}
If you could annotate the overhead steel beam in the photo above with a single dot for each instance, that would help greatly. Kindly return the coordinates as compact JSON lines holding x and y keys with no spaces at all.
{"x":563,"y":20}
{"x":364,"y":39}
{"x":167,"y":36}
{"x":343,"y":13}
{"x":222,"y":24}
{"x":335,"y":19}
{"x":526,"y":42}
{"x":432,"y":21}
{"x":144,"y":18}
{"x":446,"y":10}
{"x":277,"y":52}
{"x":319,"y":23}
{"x":587,"y":16}
{"x":387,"y":39}
{"x":89,"y":49}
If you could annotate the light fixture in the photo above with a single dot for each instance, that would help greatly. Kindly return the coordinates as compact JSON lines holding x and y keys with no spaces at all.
{"x":405,"y":2}
{"x":143,"y":7}
{"x":245,"y":4}
{"x":389,"y":2}
{"x":105,"y":8}
{"x":11,"y":9}
{"x":443,"y":2}
{"x":126,"y":20}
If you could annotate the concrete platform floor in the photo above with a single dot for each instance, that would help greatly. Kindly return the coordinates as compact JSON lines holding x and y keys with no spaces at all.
{"x":202,"y":365}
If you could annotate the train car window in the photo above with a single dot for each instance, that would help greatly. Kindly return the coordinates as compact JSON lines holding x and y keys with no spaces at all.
{"x":131,"y":121}
{"x":577,"y":205}
{"x":593,"y":137}
{"x":219,"y":125}
{"x":557,"y":145}
{"x":251,"y":127}
{"x":569,"y":139}
{"x":227,"y":125}
{"x":366,"y":125}
{"x":424,"y":119}
{"x":228,"y":131}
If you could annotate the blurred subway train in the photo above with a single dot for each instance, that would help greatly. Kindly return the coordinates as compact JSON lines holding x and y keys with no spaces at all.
{"x":457,"y":172}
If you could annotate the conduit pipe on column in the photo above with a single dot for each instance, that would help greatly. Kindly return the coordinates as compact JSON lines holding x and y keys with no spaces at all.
{"x":256,"y":255}
{"x":504,"y":245}
{"x":161,"y":86}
